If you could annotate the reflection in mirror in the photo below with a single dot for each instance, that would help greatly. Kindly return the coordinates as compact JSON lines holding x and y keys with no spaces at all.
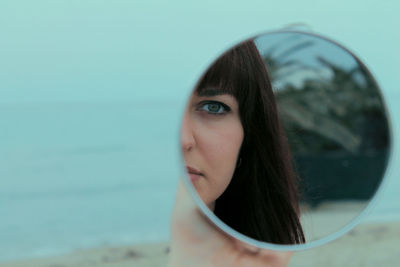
{"x":335,"y":120}
{"x":285,"y":138}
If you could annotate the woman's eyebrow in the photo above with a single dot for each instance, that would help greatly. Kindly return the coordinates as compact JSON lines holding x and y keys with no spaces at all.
{"x":210,"y":91}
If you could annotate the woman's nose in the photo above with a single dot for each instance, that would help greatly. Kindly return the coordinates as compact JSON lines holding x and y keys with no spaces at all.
{"x":187,"y":137}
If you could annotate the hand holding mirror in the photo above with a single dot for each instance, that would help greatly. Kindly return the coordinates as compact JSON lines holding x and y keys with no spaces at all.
{"x":285,"y":140}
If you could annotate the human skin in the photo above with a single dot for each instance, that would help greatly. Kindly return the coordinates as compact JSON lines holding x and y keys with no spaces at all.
{"x":211,"y":137}
{"x":196,"y":242}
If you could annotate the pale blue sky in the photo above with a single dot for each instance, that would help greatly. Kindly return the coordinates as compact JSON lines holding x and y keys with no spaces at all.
{"x":134,"y":50}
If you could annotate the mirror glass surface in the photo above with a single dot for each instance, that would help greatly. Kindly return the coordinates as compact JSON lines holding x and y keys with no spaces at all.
{"x":285,"y":138}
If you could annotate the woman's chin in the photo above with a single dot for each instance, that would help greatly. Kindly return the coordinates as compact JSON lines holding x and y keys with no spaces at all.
{"x":211,"y":206}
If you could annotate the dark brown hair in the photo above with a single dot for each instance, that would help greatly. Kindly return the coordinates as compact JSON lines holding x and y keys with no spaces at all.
{"x":261,"y":201}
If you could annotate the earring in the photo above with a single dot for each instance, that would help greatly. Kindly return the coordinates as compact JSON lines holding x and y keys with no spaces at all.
{"x":239,"y":163}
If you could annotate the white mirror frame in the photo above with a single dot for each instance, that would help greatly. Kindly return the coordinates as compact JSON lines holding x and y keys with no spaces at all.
{"x":297,"y":247}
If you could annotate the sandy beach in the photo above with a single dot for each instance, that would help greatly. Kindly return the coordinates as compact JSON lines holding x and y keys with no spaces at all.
{"x":369,"y":244}
{"x":145,"y":255}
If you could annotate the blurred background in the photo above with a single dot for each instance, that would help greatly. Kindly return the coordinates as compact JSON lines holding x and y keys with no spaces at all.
{"x":336,"y":123}
{"x":91,"y":97}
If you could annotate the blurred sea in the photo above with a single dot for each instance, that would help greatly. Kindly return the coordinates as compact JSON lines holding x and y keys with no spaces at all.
{"x":85,"y":175}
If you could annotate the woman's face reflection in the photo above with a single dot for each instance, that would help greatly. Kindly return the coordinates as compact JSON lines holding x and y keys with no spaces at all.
{"x":211,"y":138}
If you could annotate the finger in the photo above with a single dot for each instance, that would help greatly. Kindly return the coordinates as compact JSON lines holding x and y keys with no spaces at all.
{"x":183,"y":202}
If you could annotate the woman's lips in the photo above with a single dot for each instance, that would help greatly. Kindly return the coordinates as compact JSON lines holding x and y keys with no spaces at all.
{"x":193,"y":173}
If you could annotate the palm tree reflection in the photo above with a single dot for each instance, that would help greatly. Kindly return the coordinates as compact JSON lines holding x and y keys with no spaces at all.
{"x":335,"y":121}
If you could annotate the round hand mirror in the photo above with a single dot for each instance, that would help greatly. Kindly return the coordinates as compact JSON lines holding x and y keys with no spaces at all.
{"x":285,"y":141}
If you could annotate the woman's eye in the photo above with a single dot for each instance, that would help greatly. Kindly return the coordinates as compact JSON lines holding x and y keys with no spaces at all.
{"x":214,"y":108}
